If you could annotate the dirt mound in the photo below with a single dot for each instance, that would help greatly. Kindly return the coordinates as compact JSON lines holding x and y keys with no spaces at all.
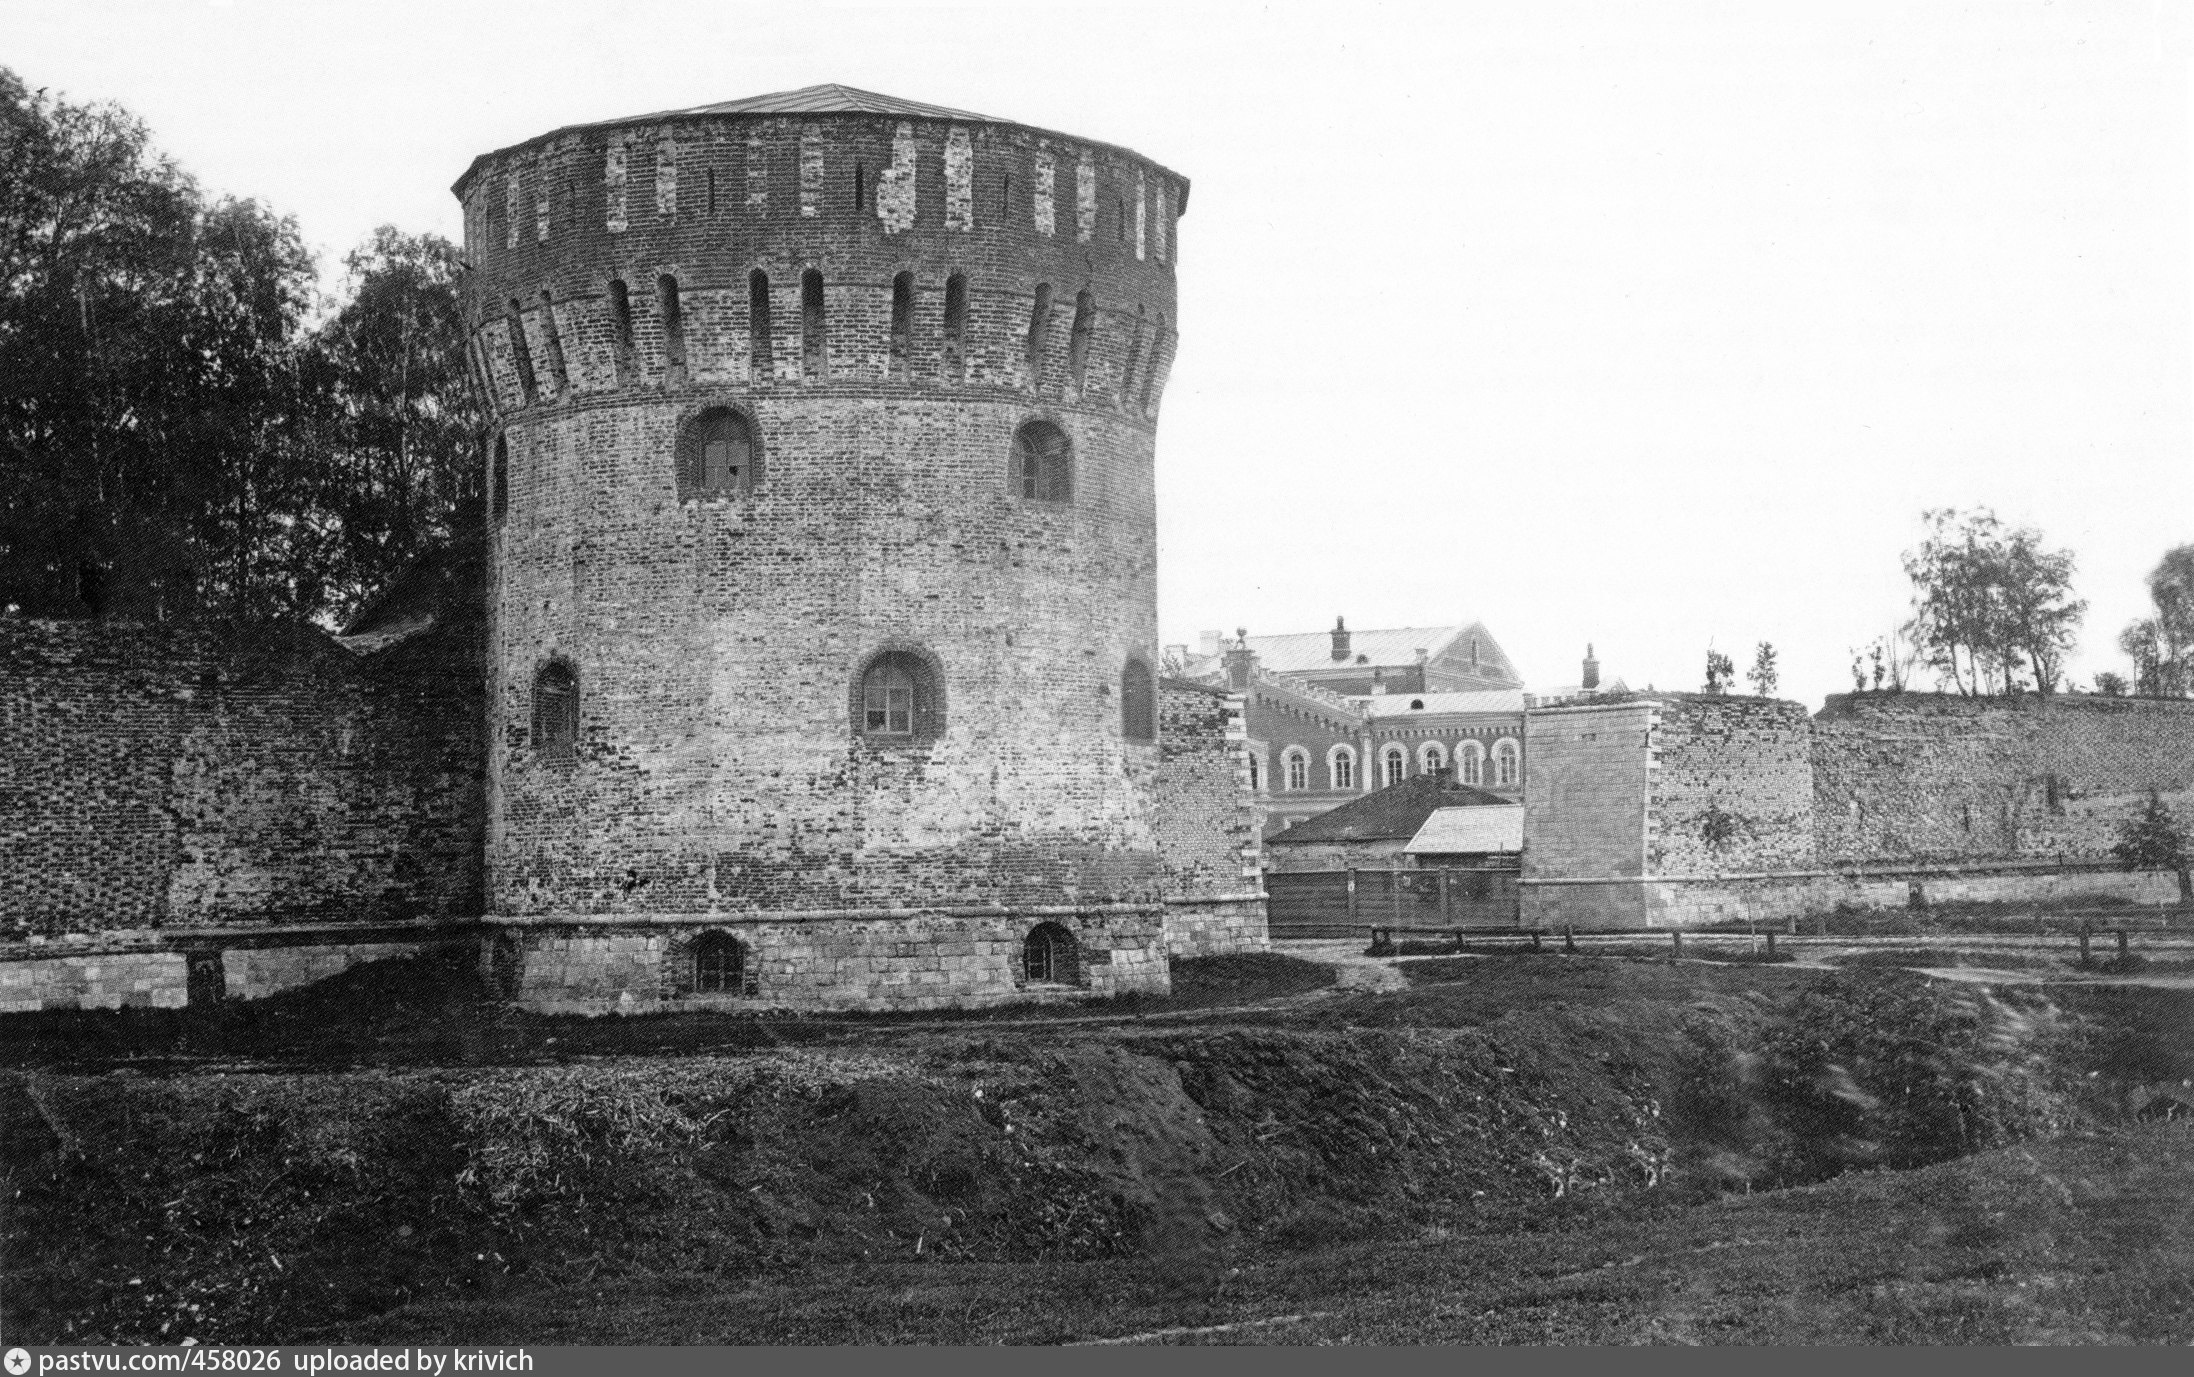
{"x":268,"y":1206}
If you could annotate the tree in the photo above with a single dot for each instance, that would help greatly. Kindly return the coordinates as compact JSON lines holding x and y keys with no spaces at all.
{"x":2162,"y":646}
{"x":1991,"y":606}
{"x":1763,"y":675}
{"x":401,"y":436}
{"x":148,"y":410}
{"x":2155,"y":840}
{"x":2111,"y":685}
{"x":1719,"y":671}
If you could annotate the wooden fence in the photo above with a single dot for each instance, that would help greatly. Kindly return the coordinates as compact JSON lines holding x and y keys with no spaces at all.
{"x":1342,"y":903}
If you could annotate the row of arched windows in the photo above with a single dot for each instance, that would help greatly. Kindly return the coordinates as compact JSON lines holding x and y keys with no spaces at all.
{"x":719,"y":455}
{"x":898,"y":698}
{"x":1471,"y":765}
{"x":717,"y":963}
{"x":815,"y":353}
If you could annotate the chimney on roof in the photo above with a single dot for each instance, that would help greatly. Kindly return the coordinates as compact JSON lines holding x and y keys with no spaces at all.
{"x":1591,"y":680}
{"x":1207,"y":642}
{"x":1340,"y":640}
{"x":1241,"y":662}
{"x":1176,"y":658}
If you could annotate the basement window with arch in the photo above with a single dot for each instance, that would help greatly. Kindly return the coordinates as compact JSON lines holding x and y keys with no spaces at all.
{"x":1051,"y":956}
{"x":719,"y":964}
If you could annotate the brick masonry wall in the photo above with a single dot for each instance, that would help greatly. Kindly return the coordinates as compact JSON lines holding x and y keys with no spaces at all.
{"x":1207,"y":823}
{"x":1585,"y":813}
{"x":718,"y":641}
{"x":162,"y":778}
{"x":1732,"y":787}
{"x":1925,"y":776}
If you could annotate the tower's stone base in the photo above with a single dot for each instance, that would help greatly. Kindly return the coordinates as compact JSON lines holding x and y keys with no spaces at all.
{"x":853,"y":959}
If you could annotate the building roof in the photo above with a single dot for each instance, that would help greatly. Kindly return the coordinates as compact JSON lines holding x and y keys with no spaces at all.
{"x":1313,"y":650}
{"x":1451,"y":831}
{"x":1390,"y":814}
{"x":1377,"y":705}
{"x":829,"y":98}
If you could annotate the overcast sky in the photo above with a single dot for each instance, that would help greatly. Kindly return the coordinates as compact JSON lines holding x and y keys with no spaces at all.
{"x":1650,"y":325}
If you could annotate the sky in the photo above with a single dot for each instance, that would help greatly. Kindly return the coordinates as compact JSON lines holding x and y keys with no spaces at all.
{"x":1649,"y":325}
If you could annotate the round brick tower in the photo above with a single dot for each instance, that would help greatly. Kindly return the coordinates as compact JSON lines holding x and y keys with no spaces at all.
{"x":823,"y":590}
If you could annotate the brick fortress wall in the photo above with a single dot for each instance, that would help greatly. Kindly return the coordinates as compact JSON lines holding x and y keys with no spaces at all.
{"x":171,"y":794}
{"x":883,"y":302}
{"x":1209,"y":826}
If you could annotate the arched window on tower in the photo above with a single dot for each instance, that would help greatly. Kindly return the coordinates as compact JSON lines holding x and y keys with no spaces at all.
{"x":620,"y":328}
{"x":1043,"y":463}
{"x":760,"y":354}
{"x":1341,"y":767}
{"x":1470,"y":763}
{"x":814,"y":328}
{"x":674,"y":323}
{"x":559,"y":378}
{"x":499,"y":480}
{"x":1507,"y":756}
{"x":1138,"y":701}
{"x":1039,"y":333}
{"x":956,"y":327}
{"x":902,"y":323}
{"x":556,"y":711}
{"x":1294,"y":769}
{"x":899,"y":699}
{"x":1085,"y":330}
{"x":1393,"y":766}
{"x":717,"y":455}
{"x":521,"y":353}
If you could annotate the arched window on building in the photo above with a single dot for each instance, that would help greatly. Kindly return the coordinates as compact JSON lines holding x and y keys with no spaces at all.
{"x":1039,"y":333}
{"x":955,"y":327}
{"x":1393,"y":766}
{"x":719,"y":964}
{"x":898,"y":699}
{"x":1043,"y":463}
{"x":1051,"y":956}
{"x":620,"y":327}
{"x":902,"y":324}
{"x":760,"y":352}
{"x":1506,"y":756}
{"x":1085,"y":330}
{"x":1470,"y":763}
{"x":1431,"y":758}
{"x":1294,"y":769}
{"x":521,"y":352}
{"x":559,"y":377}
{"x":717,"y":455}
{"x":1341,"y":767}
{"x":674,"y":323}
{"x":814,"y":328}
{"x":1138,"y":701}
{"x":556,"y":711}
{"x":499,"y":480}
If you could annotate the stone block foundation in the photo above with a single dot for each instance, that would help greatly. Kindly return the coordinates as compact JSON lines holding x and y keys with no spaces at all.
{"x":878,"y":960}
{"x":169,"y":969}
{"x":1217,"y":926}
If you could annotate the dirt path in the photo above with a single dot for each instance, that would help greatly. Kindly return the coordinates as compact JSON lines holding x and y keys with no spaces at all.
{"x":1358,"y":973}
